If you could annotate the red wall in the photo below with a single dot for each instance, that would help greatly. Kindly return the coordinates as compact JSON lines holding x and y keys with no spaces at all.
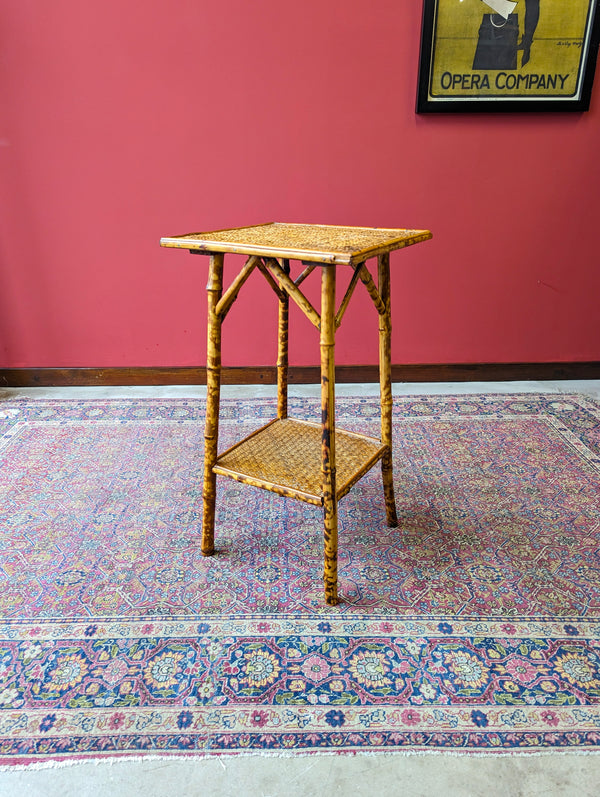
{"x":123,"y":121}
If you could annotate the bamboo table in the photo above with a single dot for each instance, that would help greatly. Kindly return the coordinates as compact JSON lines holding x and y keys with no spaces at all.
{"x":308,"y":461}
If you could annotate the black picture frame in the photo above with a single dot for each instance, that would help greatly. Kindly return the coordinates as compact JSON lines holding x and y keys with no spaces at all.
{"x":497,"y":80}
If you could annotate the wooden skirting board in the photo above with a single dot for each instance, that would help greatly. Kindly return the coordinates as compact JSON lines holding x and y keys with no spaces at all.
{"x":459,"y":372}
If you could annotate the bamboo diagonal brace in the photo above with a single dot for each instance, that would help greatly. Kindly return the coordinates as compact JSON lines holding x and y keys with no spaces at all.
{"x":371,"y":287}
{"x":267,"y":275}
{"x":348,"y":295}
{"x":230,"y":295}
{"x":308,"y":270}
{"x":288,"y":285}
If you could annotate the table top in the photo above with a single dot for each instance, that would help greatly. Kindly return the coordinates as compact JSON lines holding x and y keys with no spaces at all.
{"x":318,"y":243}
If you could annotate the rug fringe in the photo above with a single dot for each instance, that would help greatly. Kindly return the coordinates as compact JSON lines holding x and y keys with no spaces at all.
{"x":289,"y":754}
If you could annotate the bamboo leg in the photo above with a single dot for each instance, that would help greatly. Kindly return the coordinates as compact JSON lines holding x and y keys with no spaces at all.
{"x":213,"y":393}
{"x":328,"y":426}
{"x":282,"y":351}
{"x":385,"y":383}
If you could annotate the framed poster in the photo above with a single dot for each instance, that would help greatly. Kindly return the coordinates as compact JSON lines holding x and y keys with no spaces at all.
{"x":507,"y":55}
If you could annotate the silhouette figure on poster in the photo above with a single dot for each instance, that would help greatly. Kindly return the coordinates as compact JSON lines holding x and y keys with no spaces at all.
{"x":532,"y":15}
{"x":497,"y":46}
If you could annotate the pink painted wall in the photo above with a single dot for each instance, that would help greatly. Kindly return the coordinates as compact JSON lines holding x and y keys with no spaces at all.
{"x":124,"y":121}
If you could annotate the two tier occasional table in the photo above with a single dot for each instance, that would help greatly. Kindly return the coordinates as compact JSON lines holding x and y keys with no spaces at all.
{"x":313,"y":462}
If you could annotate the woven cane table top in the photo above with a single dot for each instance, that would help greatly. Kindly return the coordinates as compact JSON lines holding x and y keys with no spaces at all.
{"x":285,"y":457}
{"x":310,"y":242}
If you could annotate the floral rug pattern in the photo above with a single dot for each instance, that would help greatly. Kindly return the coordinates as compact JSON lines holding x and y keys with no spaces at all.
{"x":473,"y":626}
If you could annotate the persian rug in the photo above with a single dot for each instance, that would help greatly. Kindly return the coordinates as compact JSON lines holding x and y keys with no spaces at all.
{"x":474,"y":626}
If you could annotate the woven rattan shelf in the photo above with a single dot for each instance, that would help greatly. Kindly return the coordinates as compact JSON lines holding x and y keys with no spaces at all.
{"x":285,"y":457}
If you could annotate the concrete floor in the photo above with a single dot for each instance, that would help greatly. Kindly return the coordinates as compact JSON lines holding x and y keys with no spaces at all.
{"x":547,"y":775}
{"x":311,"y":776}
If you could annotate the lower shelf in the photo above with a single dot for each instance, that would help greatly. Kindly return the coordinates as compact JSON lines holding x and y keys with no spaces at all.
{"x":285,"y":457}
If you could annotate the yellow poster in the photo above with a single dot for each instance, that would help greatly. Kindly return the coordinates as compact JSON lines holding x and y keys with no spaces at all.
{"x":507,"y":50}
